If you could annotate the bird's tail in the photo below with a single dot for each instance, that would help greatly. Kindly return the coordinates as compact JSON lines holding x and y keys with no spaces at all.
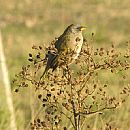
{"x":52,"y":63}
{"x":45,"y":71}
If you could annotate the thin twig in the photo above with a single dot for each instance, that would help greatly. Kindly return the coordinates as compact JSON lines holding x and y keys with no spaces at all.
{"x":75,"y":115}
{"x":97,"y":111}
{"x":68,"y":118}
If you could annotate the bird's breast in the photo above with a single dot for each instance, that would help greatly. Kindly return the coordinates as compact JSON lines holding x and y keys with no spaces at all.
{"x":75,"y":44}
{"x":75,"y":40}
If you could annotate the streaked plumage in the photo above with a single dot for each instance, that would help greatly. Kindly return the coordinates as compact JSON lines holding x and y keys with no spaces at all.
{"x":71,"y":39}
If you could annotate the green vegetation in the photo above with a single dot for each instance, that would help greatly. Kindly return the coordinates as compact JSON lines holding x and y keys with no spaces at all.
{"x":28,"y":22}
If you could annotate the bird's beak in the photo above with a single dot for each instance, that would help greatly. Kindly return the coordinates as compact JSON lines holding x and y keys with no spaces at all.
{"x":82,"y":28}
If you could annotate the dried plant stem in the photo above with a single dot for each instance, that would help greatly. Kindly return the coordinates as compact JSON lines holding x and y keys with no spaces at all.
{"x":75,"y":116}
{"x":7,"y":87}
{"x":69,"y":118}
{"x":95,"y":122}
{"x":78,"y":92}
{"x":98,"y":111}
{"x":32,"y":103}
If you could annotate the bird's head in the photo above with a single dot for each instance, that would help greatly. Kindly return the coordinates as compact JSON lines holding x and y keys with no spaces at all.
{"x":75,"y":28}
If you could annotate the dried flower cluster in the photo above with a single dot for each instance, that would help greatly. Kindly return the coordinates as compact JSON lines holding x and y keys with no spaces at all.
{"x":73,"y":92}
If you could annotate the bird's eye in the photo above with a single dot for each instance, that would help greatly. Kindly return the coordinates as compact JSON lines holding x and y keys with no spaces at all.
{"x":78,"y":28}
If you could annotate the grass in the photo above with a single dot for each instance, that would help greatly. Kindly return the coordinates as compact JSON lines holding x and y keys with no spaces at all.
{"x":24,"y":23}
{"x":4,"y":114}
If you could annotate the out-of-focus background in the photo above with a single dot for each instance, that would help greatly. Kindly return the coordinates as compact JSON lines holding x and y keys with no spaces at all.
{"x":24,"y":23}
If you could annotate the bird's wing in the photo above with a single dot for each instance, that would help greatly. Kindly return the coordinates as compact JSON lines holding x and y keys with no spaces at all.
{"x":54,"y":59}
{"x":51,"y":62}
{"x":61,"y":43}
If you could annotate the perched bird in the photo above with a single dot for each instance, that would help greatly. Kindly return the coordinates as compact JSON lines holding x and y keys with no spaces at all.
{"x":70,"y":40}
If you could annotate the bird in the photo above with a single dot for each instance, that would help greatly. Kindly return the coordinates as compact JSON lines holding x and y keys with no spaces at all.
{"x":70,"y":41}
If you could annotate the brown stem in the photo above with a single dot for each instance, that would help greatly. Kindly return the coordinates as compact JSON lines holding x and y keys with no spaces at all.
{"x":98,"y":111}
{"x":75,"y":115}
